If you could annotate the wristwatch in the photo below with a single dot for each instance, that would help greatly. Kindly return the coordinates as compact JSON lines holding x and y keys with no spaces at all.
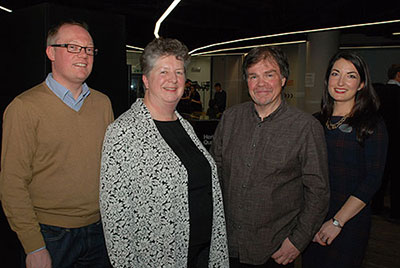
{"x":336,"y":223}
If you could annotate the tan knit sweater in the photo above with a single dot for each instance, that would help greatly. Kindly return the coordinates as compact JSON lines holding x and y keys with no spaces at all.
{"x":50,"y":162}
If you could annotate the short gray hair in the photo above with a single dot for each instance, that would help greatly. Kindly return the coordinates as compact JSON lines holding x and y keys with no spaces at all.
{"x":160,"y":47}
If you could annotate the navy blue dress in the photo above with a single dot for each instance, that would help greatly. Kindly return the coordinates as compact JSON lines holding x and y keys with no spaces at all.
{"x":353,"y":170}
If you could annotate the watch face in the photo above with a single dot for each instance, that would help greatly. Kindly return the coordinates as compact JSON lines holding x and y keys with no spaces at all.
{"x":336,"y":223}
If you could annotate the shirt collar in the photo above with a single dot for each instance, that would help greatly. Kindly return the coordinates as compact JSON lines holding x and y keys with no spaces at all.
{"x":393,"y":82}
{"x":281,"y":108}
{"x":61,"y":91}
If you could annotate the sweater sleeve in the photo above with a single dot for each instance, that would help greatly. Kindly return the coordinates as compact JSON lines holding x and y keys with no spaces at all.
{"x":110,"y":111}
{"x":18,"y":148}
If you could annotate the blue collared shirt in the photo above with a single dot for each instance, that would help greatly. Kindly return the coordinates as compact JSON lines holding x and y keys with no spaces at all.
{"x":393,"y":82}
{"x":65,"y":95}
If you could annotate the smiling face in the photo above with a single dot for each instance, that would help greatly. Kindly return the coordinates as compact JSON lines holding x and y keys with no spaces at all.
{"x":70,"y":69}
{"x":265,"y":84}
{"x":344,"y":82}
{"x":165,"y":83}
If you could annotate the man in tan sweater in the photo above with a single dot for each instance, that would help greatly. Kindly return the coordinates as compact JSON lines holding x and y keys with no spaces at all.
{"x":50,"y":161}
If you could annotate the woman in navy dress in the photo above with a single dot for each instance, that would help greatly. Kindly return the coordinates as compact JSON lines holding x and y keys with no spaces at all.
{"x":357,"y":143}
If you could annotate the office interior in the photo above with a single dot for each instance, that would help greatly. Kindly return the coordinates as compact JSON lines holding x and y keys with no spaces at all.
{"x":117,"y":73}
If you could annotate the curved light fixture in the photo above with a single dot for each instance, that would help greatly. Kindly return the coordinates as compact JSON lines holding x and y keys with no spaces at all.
{"x":5,"y":9}
{"x":132,"y":47}
{"x":162,"y":18}
{"x":368,"y":47}
{"x":245,"y":47}
{"x":295,"y":32}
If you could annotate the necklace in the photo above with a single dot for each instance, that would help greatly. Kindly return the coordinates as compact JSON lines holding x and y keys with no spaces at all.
{"x":331,"y":126}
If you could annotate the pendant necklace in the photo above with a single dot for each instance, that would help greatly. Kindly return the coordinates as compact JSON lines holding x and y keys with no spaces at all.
{"x":331,"y":126}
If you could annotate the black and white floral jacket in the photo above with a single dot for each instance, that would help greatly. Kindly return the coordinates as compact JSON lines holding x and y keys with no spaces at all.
{"x":144,"y":196}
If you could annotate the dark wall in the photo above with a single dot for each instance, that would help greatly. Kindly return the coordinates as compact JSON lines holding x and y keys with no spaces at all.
{"x":23,"y":64}
{"x":23,"y":60}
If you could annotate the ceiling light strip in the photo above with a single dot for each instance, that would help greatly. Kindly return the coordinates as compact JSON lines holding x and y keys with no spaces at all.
{"x":295,"y":32}
{"x":5,"y":9}
{"x":132,"y":47}
{"x":396,"y":33}
{"x":368,"y":47}
{"x":162,"y":18}
{"x":220,"y":54}
{"x":245,"y":47}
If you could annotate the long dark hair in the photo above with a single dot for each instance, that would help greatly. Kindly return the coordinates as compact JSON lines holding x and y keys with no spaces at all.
{"x":364,"y":114}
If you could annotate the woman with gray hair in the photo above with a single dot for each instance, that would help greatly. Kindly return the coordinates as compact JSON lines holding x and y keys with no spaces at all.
{"x":160,"y":197}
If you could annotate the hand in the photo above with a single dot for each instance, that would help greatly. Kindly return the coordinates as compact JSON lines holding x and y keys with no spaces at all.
{"x":327,"y":233}
{"x":40,"y":259}
{"x":287,"y":253}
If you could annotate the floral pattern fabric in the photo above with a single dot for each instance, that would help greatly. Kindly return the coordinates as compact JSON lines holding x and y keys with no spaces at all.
{"x":144,"y":196}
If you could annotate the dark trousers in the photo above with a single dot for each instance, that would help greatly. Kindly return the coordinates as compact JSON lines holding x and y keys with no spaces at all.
{"x":198,"y":256}
{"x":76,"y":247}
{"x":234,"y":263}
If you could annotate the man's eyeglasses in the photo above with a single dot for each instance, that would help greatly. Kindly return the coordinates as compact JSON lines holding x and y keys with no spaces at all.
{"x":91,"y":51}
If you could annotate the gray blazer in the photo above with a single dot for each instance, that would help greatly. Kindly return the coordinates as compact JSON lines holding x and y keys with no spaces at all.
{"x":144,"y":196}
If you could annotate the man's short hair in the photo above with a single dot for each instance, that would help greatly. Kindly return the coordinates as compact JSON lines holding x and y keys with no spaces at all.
{"x":393,"y":70}
{"x":53,"y":31}
{"x":261,"y":53}
{"x":217,"y":84}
